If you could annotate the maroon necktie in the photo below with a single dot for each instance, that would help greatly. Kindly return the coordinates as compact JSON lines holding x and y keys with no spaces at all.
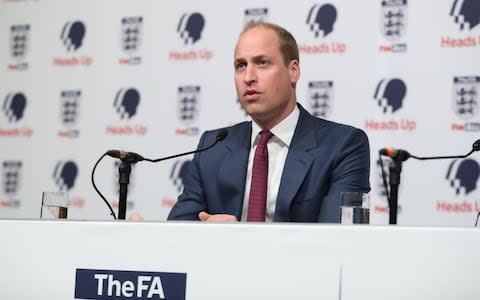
{"x":258,"y":189}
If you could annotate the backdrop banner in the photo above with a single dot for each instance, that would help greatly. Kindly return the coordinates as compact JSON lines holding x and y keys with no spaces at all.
{"x":78,"y":78}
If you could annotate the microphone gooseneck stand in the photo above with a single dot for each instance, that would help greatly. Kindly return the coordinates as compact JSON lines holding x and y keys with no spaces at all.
{"x":395,"y":169}
{"x":124,"y":169}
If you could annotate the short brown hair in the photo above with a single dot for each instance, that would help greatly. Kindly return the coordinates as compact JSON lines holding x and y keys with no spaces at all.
{"x":288,"y":45}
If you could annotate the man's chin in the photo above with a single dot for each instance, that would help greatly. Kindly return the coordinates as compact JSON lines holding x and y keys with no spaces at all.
{"x":259,"y":116}
{"x":254,"y":112}
{"x":252,"y":107}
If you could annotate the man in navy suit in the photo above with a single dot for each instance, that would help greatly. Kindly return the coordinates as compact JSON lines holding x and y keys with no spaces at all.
{"x":310,"y":160}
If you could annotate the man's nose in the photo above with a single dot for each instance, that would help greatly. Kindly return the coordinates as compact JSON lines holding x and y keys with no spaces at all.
{"x":250,"y":75}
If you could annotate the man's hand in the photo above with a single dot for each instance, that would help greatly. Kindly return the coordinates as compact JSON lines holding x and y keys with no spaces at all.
{"x":206,"y":217}
{"x":135,"y":217}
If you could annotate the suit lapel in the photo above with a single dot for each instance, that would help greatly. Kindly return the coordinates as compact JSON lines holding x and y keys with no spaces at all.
{"x":297,"y":164}
{"x":233,"y":170}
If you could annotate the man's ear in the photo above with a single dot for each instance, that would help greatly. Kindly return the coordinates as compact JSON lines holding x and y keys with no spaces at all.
{"x":294,"y":71}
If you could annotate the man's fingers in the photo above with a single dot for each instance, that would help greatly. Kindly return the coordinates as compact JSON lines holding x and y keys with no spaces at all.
{"x":204,"y":216}
{"x":135,"y":217}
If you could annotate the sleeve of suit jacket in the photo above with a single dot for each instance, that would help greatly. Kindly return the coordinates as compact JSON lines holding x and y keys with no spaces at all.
{"x":350,"y":171}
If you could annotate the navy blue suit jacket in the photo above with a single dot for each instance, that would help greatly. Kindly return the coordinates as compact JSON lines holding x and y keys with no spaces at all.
{"x":324,"y":159}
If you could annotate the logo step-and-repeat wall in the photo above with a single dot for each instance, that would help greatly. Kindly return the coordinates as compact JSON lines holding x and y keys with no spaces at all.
{"x":81,"y":77}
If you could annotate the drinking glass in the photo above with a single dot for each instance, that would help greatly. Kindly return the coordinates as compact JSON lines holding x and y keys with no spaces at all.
{"x":354,"y":208}
{"x":54,"y":205}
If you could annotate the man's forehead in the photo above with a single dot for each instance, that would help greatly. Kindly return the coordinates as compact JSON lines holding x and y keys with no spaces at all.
{"x":256,"y":44}
{"x":260,"y":32}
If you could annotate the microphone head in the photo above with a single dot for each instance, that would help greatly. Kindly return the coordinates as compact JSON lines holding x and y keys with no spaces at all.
{"x":222,"y":134}
{"x":397,"y":154}
{"x":388,"y":151}
{"x":391,"y":152}
{"x":476,"y":145}
{"x":130,"y":157}
{"x":115,"y":153}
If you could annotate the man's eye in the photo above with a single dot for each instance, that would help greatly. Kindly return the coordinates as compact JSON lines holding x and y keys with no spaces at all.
{"x":239,"y":66}
{"x":262,"y":62}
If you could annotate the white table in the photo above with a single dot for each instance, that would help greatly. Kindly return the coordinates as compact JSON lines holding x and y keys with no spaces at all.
{"x":41,"y":259}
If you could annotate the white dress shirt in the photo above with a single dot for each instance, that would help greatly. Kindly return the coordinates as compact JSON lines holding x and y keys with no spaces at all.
{"x":278,"y":147}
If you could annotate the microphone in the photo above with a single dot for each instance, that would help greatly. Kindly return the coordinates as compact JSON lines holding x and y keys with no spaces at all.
{"x":403,"y":155}
{"x":133,"y":157}
{"x":396,"y":154}
{"x":128,"y":158}
{"x":476,"y":146}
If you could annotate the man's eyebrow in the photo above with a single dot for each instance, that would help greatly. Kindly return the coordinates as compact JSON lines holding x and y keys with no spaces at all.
{"x":260,"y":56}
{"x":256,"y":57}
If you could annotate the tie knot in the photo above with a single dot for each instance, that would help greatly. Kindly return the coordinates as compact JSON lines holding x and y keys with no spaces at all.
{"x":265,"y":135}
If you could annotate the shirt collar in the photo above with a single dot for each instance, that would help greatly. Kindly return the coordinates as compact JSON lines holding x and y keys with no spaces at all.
{"x":283,"y":131}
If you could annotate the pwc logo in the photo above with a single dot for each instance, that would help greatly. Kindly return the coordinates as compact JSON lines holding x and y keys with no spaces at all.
{"x":131,"y":39}
{"x":126,"y":105}
{"x":462,"y":176}
{"x":252,"y":15}
{"x":65,"y":174}
{"x":321,"y":20}
{"x":119,"y":284}
{"x":19,"y":45}
{"x":11,"y":183}
{"x":189,"y":29}
{"x":70,"y":101}
{"x":393,"y":25}
{"x":72,"y":35}
{"x":188,"y":106}
{"x":179,"y":173}
{"x":320,"y":98}
{"x":466,"y":13}
{"x":389,"y":96}
{"x":465,"y":98}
